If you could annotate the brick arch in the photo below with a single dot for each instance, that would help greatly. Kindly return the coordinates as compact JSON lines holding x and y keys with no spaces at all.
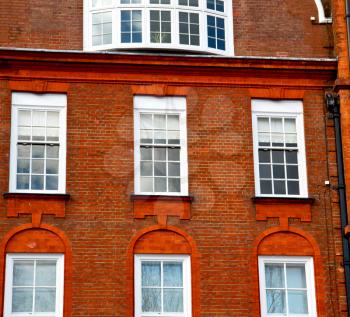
{"x":163,"y":239}
{"x":288,"y":242}
{"x":44,"y":239}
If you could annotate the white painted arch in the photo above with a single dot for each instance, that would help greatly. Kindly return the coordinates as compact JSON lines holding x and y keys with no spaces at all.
{"x":321,"y":16}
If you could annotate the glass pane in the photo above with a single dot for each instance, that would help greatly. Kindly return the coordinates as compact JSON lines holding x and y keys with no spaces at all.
{"x":296,"y":276}
{"x":291,"y":140}
{"x":277,"y":139}
{"x":146,"y":184}
{"x":146,"y":136}
{"x":52,"y":119}
{"x":166,"y":37}
{"x":38,"y":166}
{"x":264,"y":156}
{"x":289,"y":125}
{"x":160,"y":169}
{"x":37,"y":182}
{"x":23,"y":151}
{"x":146,"y":153}
{"x":96,"y":40}
{"x":150,"y":272}
{"x":275,"y":301}
{"x":193,"y":3}
{"x":146,"y":168}
{"x":278,"y":171}
{"x":159,"y":121}
{"x":45,"y":299}
{"x":52,"y":134}
{"x":280,"y":187}
{"x":160,"y":154}
{"x":297,"y":302}
{"x":38,"y":151}
{"x":22,"y":300}
{"x":292,"y":157}
{"x":173,"y":300}
{"x":194,"y":40}
{"x":23,"y":166}
{"x":146,"y":121}
{"x":52,"y":167}
{"x":265,"y":187}
{"x":274,"y":275}
{"x":107,"y":28}
{"x":174,"y":154}
{"x":160,"y":184}
{"x":38,"y":134}
{"x":173,"y":122}
{"x":172,"y":274}
{"x":159,"y":137}
{"x":184,"y":39}
{"x":23,"y":273}
{"x":51,"y":182}
{"x":264,"y":139}
{"x":278,"y":156}
{"x":265,"y":170}
{"x":52,"y":151}
{"x":173,"y":137}
{"x":151,"y":300}
{"x":292,"y":172}
{"x":24,"y":133}
{"x":263,"y":125}
{"x":24,"y":118}
{"x":22,"y":182}
{"x":174,"y":169}
{"x":293,"y":188}
{"x":174,"y":185}
{"x":39,"y":118}
{"x":276,"y":125}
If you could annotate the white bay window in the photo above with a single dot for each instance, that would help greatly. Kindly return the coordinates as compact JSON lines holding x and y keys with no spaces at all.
{"x":191,"y":25}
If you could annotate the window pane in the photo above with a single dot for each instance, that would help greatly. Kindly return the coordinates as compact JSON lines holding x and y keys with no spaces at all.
{"x":277,"y":156}
{"x":263,"y":125}
{"x":146,"y":121}
{"x":146,"y":168}
{"x":52,"y":167}
{"x":146,"y":184}
{"x":39,"y":118}
{"x":51,"y":182}
{"x":45,"y":299}
{"x":38,"y":134}
{"x":160,"y":184}
{"x":150,"y":273}
{"x":151,"y":300}
{"x":296,"y":276}
{"x":265,"y":171}
{"x":173,"y":137}
{"x":160,"y":153}
{"x":174,"y":154}
{"x":297,"y":302}
{"x":174,"y":169}
{"x":23,"y":166}
{"x":22,"y":182}
{"x":173,"y":122}
{"x":174,"y":185}
{"x":23,"y":273}
{"x":274,"y":275}
{"x":289,"y":125}
{"x":276,"y":125}
{"x":160,"y":169}
{"x":146,"y":136}
{"x":266,"y":187}
{"x":293,"y":188}
{"x":38,"y":151}
{"x":172,"y":274}
{"x":37,"y":182}
{"x":52,"y":119}
{"x":264,"y":156}
{"x":52,"y":151}
{"x":146,"y":153}
{"x":159,"y":121}
{"x":24,"y":133}
{"x":277,"y":139}
{"x":276,"y":302}
{"x":45,"y":273}
{"x":264,"y":139}
{"x":278,"y":171}
{"x":38,"y":166}
{"x":22,"y":300}
{"x":159,"y":137}
{"x":292,"y":172}
{"x":280,"y":187}
{"x":173,"y":300}
{"x":23,"y":151}
{"x":24,"y":118}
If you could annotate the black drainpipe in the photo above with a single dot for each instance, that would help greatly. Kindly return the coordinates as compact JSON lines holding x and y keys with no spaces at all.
{"x":333,"y":106}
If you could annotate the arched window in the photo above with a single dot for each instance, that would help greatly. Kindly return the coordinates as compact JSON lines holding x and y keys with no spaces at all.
{"x":188,"y":25}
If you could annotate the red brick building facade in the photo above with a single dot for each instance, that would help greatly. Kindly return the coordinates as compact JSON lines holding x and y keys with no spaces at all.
{"x":144,"y":177}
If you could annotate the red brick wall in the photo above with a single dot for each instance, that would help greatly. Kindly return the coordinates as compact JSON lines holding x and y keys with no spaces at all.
{"x":261,"y":28}
{"x":99,"y":217}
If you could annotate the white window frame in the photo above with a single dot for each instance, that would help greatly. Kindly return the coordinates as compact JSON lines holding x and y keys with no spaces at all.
{"x":187,"y":293}
{"x":161,"y":105}
{"x":307,"y":261}
{"x":33,"y":101}
{"x":280,"y":109}
{"x":10,"y":258}
{"x":174,"y":8}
